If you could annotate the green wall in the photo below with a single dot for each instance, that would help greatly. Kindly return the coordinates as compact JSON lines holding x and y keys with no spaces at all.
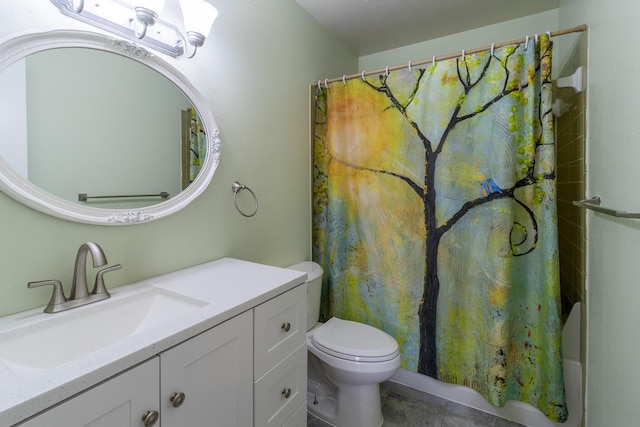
{"x":479,"y":37}
{"x":254,"y":69}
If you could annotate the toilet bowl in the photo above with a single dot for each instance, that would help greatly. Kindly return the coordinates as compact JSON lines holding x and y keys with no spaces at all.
{"x":347,"y":361}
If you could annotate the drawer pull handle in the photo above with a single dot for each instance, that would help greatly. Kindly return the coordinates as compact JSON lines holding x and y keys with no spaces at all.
{"x":177,"y":399}
{"x":150,"y":418}
{"x":286,"y":326}
{"x":286,"y":392}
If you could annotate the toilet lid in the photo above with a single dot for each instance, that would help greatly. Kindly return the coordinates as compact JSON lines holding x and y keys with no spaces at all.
{"x":355,"y":341}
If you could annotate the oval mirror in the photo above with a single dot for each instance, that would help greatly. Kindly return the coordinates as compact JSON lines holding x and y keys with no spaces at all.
{"x":99,"y":130}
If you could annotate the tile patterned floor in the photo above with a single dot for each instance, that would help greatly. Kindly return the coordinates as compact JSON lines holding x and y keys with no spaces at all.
{"x":406,"y":407}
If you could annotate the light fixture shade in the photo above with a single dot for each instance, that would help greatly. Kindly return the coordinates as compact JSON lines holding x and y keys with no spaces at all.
{"x":198,"y":16}
{"x":155,"y":5}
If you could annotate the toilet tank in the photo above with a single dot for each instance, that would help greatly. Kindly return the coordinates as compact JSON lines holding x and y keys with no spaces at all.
{"x":314,"y":289}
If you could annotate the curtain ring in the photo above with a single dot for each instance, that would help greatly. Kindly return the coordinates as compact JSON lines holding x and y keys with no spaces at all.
{"x":526,"y":43}
{"x":409,"y":66}
{"x":463,"y":54}
{"x":236,"y":187}
{"x":325,"y":83}
{"x":363,"y":77}
{"x":386,"y":70}
{"x":493,"y":45}
{"x":344,"y":79}
{"x":433,"y":60}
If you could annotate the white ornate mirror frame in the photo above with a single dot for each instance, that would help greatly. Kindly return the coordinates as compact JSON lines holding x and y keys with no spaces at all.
{"x":11,"y":183}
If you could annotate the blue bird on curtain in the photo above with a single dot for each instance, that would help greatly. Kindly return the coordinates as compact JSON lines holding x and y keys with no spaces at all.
{"x":489,"y":186}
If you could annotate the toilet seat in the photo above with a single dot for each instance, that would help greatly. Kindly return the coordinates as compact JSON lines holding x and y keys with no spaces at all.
{"x":354,"y":341}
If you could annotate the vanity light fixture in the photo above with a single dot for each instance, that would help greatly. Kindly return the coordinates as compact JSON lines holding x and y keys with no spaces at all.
{"x":139,"y":20}
{"x":147,"y":12}
{"x":198,"y":18}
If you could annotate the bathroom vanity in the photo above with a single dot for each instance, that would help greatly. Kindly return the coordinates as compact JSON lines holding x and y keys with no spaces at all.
{"x":223,"y":344}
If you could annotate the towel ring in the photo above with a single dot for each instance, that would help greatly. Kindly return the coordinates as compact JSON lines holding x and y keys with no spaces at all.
{"x":236,"y":187}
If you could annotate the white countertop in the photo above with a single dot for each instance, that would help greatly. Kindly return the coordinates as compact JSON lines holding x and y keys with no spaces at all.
{"x":228,"y":286}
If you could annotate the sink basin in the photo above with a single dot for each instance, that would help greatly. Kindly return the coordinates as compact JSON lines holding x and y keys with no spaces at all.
{"x":74,"y":333}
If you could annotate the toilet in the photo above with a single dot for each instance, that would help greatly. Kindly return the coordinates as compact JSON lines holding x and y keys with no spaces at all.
{"x":347,"y":361}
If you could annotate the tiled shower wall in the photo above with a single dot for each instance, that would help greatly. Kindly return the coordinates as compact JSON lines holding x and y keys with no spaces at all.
{"x":571,"y":178}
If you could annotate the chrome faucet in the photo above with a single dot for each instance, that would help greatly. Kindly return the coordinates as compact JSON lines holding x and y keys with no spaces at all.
{"x":79,"y":291}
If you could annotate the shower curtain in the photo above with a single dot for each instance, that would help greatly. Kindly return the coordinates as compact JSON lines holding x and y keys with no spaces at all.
{"x":434,"y":218}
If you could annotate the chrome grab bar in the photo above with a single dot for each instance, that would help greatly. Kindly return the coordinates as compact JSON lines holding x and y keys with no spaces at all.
{"x":82,"y":197}
{"x":594,"y":204}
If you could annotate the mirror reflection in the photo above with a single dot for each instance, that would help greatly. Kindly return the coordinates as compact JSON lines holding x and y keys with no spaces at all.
{"x":86,"y":121}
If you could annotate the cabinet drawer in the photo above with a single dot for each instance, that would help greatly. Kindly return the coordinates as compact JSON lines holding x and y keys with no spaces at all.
{"x":299,"y":418}
{"x":288,"y":378}
{"x":279,"y":328}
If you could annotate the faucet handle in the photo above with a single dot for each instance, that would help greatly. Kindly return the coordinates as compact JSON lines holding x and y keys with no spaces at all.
{"x":99,"y":286}
{"x":57,"y":297}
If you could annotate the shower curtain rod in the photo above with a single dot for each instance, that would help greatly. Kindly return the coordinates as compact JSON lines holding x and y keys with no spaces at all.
{"x":578,"y":29}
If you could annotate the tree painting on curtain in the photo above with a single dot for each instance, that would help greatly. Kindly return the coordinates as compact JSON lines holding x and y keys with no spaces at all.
{"x":434,"y":218}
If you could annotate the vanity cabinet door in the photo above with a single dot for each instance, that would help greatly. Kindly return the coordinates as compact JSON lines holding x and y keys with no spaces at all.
{"x":207,"y":381}
{"x":118,"y":402}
